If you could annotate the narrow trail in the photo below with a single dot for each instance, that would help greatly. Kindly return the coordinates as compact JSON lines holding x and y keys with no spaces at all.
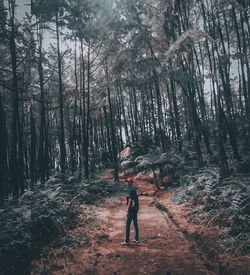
{"x":164,"y":248}
{"x":169,"y":244}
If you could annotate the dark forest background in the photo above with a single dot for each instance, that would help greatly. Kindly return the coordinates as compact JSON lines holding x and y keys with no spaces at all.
{"x":169,"y":73}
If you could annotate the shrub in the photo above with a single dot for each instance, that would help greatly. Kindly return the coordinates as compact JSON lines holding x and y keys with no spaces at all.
{"x":40,"y":215}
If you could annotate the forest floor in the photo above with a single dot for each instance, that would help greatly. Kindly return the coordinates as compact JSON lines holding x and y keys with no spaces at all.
{"x":169,"y":242}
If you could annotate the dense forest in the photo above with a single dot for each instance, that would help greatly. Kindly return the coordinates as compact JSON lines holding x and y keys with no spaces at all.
{"x":81,"y":80}
{"x":169,"y":73}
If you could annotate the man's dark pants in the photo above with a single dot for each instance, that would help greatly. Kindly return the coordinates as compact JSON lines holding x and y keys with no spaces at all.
{"x":132,"y":216}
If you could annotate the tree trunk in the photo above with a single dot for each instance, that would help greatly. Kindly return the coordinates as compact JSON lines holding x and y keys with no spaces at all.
{"x":3,"y":153}
{"x":152,"y":112}
{"x":62,"y":139}
{"x":33,"y":151}
{"x":43,"y":142}
{"x":176,"y":114}
{"x":14,"y":168}
{"x":159,"y":110}
{"x":113,"y":139}
{"x":108,"y":131}
{"x":86,"y":131}
{"x":120,"y":95}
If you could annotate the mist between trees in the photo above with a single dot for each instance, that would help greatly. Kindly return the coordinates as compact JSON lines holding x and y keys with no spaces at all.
{"x":138,"y":72}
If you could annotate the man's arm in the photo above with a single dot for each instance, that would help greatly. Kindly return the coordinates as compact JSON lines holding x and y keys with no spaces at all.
{"x":129,"y":203}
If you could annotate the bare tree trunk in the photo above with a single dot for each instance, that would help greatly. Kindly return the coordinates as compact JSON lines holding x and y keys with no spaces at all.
{"x":14,"y":168}
{"x":43,"y":142}
{"x":33,"y":149}
{"x":86,"y":137}
{"x":113,"y":139}
{"x":124,"y":114}
{"x":108,"y":131}
{"x":176,"y":114}
{"x":62,"y":138}
{"x":152,"y":112}
{"x":3,"y":153}
{"x":159,"y":110}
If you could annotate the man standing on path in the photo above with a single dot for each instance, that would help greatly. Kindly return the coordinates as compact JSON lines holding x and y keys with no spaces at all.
{"x":132,"y":210}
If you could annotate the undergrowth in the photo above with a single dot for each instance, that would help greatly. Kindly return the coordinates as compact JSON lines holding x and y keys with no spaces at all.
{"x":43,"y":214}
{"x":217,"y":201}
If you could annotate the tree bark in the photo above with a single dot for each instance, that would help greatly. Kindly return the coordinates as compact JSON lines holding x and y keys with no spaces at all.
{"x":113,"y":139}
{"x":61,"y":107}
{"x":14,"y":168}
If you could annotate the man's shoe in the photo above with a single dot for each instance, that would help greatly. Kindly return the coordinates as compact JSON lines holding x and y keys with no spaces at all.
{"x":135,"y":241}
{"x":124,"y":243}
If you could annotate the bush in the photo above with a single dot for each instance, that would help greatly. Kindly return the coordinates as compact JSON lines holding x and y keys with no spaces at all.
{"x":223,"y":202}
{"x":41,"y":215}
{"x":15,"y":239}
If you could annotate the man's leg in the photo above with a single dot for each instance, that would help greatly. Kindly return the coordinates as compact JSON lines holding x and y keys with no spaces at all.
{"x":136,"y":227}
{"x":129,"y":219}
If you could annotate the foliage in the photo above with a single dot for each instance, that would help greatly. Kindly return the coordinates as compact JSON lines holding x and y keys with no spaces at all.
{"x":173,"y":165}
{"x":217,"y":200}
{"x":42,"y":214}
{"x":15,"y":239}
{"x":223,"y":202}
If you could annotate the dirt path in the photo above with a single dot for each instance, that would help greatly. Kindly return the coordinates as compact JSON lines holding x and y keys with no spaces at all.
{"x":164,"y":248}
{"x":169,"y":243}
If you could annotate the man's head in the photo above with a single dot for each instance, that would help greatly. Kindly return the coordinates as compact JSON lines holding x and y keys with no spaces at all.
{"x":130,"y":182}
